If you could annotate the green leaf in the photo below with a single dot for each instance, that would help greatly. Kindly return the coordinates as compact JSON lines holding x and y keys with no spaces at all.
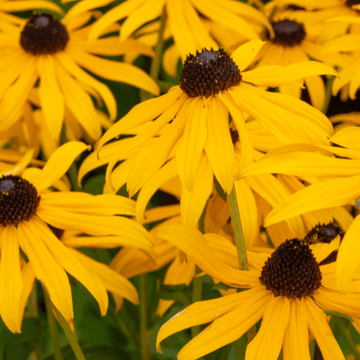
{"x":334,"y":313}
{"x":174,"y":292}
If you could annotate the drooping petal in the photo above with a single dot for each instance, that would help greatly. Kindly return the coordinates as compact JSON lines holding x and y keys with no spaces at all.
{"x":348,"y":258}
{"x":85,"y":203}
{"x":189,"y":151}
{"x":71,"y":264}
{"x":10,"y":279}
{"x":296,"y":339}
{"x":112,"y":280}
{"x":193,"y":202}
{"x":58,"y":164}
{"x":133,"y":234}
{"x":51,"y":97}
{"x":321,"y":331}
{"x":244,"y":55}
{"x":268,"y":341}
{"x":219,"y":147}
{"x":192,"y":243}
{"x":46,"y":269}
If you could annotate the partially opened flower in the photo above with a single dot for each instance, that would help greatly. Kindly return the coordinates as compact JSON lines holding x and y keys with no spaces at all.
{"x":56,"y":53}
{"x":28,"y":211}
{"x":192,"y":120}
{"x":289,"y":291}
{"x":186,"y":26}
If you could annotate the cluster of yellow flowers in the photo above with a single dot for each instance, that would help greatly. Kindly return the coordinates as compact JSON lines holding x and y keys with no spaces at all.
{"x":265,"y":185}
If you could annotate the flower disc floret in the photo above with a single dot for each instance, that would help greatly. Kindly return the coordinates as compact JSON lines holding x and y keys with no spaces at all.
{"x":288,"y":33}
{"x":291,"y":271}
{"x":18,"y":200}
{"x":350,"y":3}
{"x":323,"y":233}
{"x":43,"y":34}
{"x":208,"y":72}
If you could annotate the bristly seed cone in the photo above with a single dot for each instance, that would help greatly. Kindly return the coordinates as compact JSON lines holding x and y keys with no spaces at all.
{"x":350,"y":3}
{"x":291,"y":271}
{"x":18,"y":200}
{"x":43,"y":34}
{"x":208,"y":72}
{"x":288,"y":33}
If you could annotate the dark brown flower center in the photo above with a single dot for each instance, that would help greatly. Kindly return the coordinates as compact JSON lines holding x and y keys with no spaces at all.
{"x":291,"y":271}
{"x":350,"y":3}
{"x":288,"y":33}
{"x":18,"y":200}
{"x":208,"y":72}
{"x":43,"y":34}
{"x":325,"y":233}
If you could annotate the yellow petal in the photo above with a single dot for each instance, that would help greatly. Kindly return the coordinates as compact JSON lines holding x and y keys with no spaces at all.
{"x":348,"y":258}
{"x":296,"y":339}
{"x":133,"y":234}
{"x":71,"y":264}
{"x":46,"y":269}
{"x":11,"y":279}
{"x":58,"y":164}
{"x":193,"y":202}
{"x":321,"y":331}
{"x":244,"y":55}
{"x":193,"y":244}
{"x":51,"y":97}
{"x":267,"y":343}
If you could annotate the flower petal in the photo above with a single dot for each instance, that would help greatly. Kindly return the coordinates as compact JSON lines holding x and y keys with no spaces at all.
{"x":244,"y":55}
{"x":10,"y":279}
{"x":46,"y":269}
{"x":267,"y":343}
{"x":58,"y":163}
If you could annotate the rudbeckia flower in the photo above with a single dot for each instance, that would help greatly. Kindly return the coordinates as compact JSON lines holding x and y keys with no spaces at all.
{"x":56,"y":53}
{"x":7,"y":6}
{"x":289,"y":291}
{"x":192,"y":120}
{"x":187,"y":28}
{"x":29,"y":210}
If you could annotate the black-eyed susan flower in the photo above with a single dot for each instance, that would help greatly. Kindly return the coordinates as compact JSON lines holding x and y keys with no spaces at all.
{"x":192,"y":120}
{"x":186,"y":25}
{"x":28,"y":211}
{"x":55,"y":52}
{"x":289,"y":291}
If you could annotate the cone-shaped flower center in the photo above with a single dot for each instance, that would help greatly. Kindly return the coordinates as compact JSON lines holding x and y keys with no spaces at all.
{"x":325,"y":233}
{"x":291,"y":271}
{"x":288,"y":33}
{"x":43,"y":34}
{"x":18,"y":200}
{"x":208,"y":72}
{"x":350,"y":3}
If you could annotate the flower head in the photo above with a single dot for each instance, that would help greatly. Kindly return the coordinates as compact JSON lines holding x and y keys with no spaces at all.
{"x":31,"y":219}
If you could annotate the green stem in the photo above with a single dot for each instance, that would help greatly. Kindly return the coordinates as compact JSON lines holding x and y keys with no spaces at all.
{"x":196,"y":296}
{"x":164,"y":86}
{"x":329,"y":82}
{"x":349,"y":340}
{"x":238,"y":232}
{"x":53,"y":328}
{"x":145,"y":353}
{"x":70,"y":336}
{"x":240,"y":245}
{"x":125,"y":329}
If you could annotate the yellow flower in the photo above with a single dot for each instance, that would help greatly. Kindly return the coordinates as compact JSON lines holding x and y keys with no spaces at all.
{"x":192,"y":120}
{"x":187,"y":28}
{"x":55,"y":52}
{"x":287,"y":291}
{"x":7,"y":6}
{"x":28,"y":208}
